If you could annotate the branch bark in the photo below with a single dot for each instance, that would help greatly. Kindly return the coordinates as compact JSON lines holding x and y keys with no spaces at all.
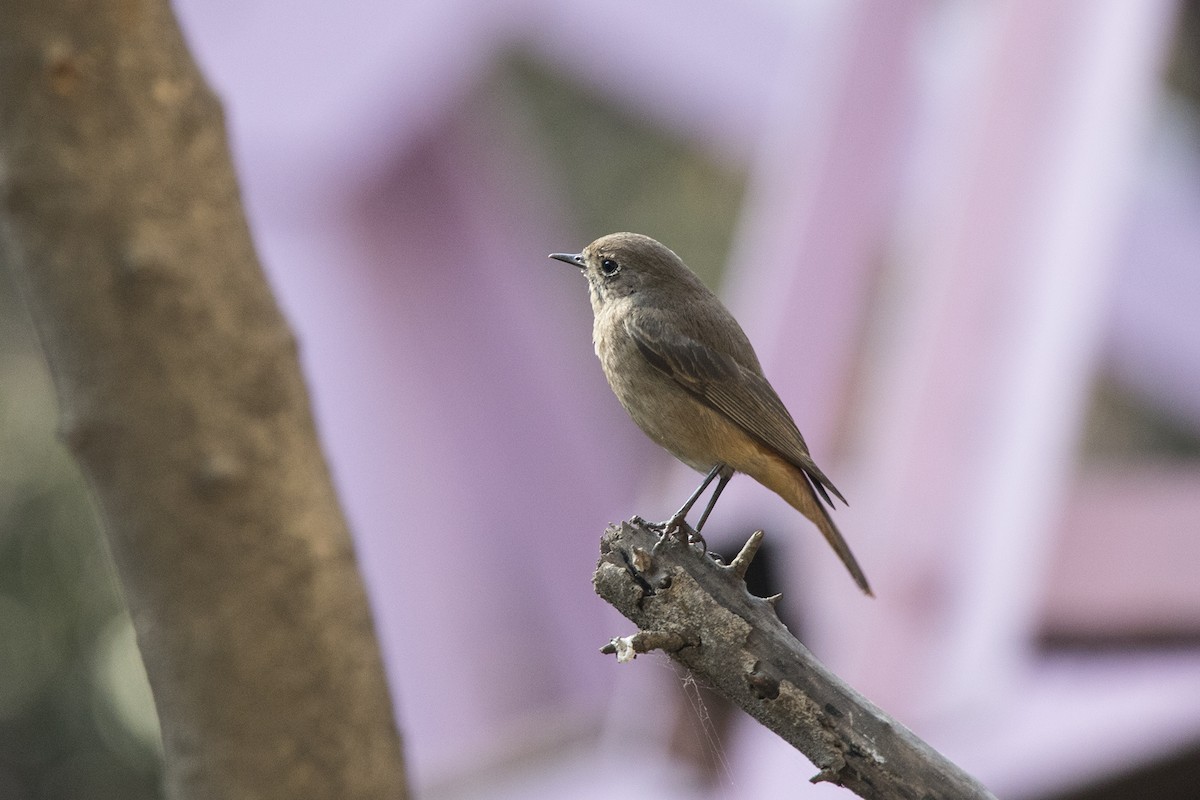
{"x":700,"y":612}
{"x":181,"y":398}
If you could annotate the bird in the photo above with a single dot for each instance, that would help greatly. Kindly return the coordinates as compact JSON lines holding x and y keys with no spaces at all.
{"x":686,"y":373}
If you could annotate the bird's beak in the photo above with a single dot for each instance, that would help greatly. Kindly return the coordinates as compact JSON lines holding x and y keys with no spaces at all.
{"x":574,"y":259}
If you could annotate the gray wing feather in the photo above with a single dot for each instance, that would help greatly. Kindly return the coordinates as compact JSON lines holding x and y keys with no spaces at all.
{"x":720,"y":382}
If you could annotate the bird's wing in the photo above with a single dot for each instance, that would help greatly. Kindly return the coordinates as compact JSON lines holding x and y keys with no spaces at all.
{"x":721,"y":383}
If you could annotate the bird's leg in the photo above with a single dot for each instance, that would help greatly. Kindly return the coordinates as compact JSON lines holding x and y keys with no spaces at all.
{"x":676,"y":521}
{"x":712,"y":501}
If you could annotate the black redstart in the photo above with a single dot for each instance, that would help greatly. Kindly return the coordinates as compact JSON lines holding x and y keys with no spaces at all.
{"x":684,"y":370}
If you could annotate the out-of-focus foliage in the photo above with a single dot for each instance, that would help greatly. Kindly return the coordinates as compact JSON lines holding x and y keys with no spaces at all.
{"x":623,"y":173}
{"x":1183,"y":67}
{"x":76,"y":717}
{"x":1121,"y":426}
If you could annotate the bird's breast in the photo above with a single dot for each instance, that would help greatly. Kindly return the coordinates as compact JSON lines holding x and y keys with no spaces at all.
{"x":667,"y":413}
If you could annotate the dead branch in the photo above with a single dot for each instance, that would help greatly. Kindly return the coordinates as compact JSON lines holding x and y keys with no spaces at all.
{"x":700,"y":612}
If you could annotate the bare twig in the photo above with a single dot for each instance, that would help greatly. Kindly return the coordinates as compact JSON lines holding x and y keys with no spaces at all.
{"x":701,"y":614}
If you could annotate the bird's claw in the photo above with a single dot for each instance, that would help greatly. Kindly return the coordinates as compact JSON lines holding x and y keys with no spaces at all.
{"x":678,"y":528}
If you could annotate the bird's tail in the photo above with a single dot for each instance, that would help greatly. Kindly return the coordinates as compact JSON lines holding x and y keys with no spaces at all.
{"x":801,"y":496}
{"x":838,"y":543}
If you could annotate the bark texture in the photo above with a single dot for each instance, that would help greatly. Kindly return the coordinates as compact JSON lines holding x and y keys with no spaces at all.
{"x":700,"y":612}
{"x":181,"y":398}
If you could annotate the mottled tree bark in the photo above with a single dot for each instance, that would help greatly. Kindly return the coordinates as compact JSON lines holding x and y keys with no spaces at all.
{"x":181,"y":398}
{"x":700,"y":613}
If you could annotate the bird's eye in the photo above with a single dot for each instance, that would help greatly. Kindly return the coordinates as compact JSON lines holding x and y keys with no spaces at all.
{"x":609,"y":267}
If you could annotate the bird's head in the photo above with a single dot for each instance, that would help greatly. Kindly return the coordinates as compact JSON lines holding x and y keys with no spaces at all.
{"x":624,"y":264}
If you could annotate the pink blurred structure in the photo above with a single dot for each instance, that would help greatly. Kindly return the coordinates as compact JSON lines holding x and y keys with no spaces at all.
{"x":945,"y":236}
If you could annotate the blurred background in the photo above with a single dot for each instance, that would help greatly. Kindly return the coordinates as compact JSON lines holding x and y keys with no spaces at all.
{"x":965,"y":239}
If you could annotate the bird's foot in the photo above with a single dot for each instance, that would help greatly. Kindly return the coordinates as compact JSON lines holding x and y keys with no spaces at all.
{"x":678,"y":528}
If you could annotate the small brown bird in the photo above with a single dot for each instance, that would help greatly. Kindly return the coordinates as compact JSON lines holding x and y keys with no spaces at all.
{"x":684,"y":370}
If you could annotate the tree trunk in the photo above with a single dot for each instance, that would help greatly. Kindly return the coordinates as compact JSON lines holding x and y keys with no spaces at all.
{"x":181,"y":398}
